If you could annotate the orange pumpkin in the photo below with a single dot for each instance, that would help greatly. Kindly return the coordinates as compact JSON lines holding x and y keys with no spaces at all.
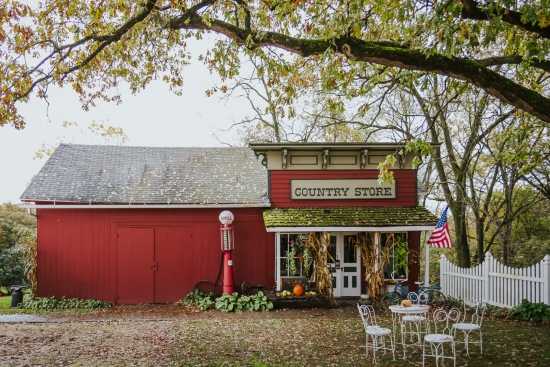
{"x":406,"y":303}
{"x":298,"y":290}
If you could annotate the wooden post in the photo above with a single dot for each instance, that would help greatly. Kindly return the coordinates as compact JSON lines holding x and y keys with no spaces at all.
{"x":427,"y":260}
{"x":442,"y":278}
{"x":486,"y":269}
{"x":546,"y":279}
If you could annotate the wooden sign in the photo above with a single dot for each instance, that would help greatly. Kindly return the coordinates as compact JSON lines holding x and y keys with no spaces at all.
{"x":341,"y":189}
{"x":288,"y":283}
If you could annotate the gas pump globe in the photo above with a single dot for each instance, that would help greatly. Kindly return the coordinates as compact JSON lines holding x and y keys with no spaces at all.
{"x":227,"y":245}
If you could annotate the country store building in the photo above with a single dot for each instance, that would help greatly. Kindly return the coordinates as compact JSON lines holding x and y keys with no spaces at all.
{"x":140,"y":225}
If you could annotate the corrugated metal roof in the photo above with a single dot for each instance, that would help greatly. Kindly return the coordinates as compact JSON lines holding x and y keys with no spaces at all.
{"x":146,"y":175}
{"x":349,"y":217}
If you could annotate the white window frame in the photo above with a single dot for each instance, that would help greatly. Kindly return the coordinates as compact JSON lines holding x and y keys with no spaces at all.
{"x":393,"y":269}
{"x":279,"y":256}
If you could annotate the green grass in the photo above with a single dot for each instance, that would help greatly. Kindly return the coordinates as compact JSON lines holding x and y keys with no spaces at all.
{"x":5,"y":306}
{"x":340,"y":342}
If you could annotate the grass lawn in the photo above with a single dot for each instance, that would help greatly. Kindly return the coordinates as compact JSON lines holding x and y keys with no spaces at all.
{"x":340,"y":342}
{"x":5,"y":303}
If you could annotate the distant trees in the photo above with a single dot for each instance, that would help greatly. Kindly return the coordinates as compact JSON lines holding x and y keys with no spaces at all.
{"x":17,"y":230}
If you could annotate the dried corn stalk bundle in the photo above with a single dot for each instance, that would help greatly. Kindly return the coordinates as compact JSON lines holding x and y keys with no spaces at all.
{"x":374,"y":258}
{"x":31,"y":263}
{"x":319,"y":244}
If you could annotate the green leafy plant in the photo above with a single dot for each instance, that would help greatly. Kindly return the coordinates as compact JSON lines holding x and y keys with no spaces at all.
{"x":400,"y":252}
{"x":291,"y":258}
{"x":533,"y":312}
{"x":199,"y":298}
{"x":45,"y":303}
{"x":308,"y":260}
{"x":206,"y":304}
{"x":234,"y":303}
{"x":227,"y":303}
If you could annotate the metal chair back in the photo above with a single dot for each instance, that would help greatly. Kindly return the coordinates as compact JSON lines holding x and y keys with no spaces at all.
{"x":366,"y":316}
{"x":443,"y":320}
{"x":413,"y":297}
{"x":477,"y":316}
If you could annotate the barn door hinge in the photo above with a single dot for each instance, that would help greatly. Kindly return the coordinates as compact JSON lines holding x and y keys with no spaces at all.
{"x":155,"y":266}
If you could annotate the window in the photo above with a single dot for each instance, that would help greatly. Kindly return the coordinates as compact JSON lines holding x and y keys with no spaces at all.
{"x":398,"y":263}
{"x":291,"y":254}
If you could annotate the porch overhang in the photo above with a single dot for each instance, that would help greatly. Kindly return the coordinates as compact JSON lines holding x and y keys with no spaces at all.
{"x":349,"y":219}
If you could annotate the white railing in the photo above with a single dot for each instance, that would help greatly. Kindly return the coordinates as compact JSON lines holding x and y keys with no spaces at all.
{"x":498,"y":284}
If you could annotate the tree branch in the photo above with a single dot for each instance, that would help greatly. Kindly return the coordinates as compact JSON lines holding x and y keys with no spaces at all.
{"x":514,"y":60}
{"x":105,"y":41}
{"x":471,"y":9}
{"x":358,"y":50}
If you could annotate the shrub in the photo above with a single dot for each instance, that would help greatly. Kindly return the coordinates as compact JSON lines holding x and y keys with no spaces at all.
{"x":45,"y":303}
{"x":257,"y":302}
{"x":12,"y":268}
{"x":533,"y":312}
{"x":199,"y":298}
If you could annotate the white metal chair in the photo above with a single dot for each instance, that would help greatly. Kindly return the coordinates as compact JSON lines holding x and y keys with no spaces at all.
{"x":437,"y":341}
{"x":474,"y":325}
{"x":377,"y":334}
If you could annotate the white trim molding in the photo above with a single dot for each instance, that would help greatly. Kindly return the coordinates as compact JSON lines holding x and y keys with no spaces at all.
{"x":141,"y":206}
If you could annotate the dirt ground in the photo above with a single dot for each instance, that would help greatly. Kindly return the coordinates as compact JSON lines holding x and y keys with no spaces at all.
{"x":139,"y":335}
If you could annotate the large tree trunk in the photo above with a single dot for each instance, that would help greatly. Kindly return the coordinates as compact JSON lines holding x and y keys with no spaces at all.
{"x":461,"y":231}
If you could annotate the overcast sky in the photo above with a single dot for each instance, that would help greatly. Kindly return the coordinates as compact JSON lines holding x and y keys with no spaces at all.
{"x":155,"y":117}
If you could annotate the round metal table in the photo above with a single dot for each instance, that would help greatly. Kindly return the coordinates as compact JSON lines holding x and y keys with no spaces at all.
{"x":415,"y":314}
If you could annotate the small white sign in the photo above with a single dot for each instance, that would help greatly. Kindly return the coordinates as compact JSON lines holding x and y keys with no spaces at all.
{"x":230,"y":262}
{"x":341,"y":189}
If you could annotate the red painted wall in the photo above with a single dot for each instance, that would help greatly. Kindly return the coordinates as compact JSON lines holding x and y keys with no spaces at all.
{"x":279,"y":189}
{"x":78,"y":250}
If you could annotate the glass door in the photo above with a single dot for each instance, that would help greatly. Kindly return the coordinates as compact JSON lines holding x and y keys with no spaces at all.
{"x":350,"y":266}
{"x":345,"y":265}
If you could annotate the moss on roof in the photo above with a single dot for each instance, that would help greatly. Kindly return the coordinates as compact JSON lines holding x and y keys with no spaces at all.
{"x":349,"y":217}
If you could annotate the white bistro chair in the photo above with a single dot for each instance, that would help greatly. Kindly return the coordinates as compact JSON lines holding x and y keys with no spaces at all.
{"x":376,"y":333}
{"x":474,"y":325}
{"x":443,"y":336}
{"x":414,"y":326}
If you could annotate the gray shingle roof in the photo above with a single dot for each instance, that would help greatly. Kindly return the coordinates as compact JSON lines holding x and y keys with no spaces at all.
{"x":144,"y":175}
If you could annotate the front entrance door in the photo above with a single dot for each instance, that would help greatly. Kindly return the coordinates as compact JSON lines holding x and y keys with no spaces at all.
{"x":346,"y":271}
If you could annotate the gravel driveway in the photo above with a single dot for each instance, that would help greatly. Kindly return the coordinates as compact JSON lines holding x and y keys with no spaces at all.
{"x":142,"y":335}
{"x":104,"y":343}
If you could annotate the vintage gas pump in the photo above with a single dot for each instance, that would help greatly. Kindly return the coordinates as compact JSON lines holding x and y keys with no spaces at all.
{"x":228,"y":244}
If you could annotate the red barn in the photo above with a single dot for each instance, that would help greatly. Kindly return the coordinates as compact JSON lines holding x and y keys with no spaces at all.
{"x":140,"y":225}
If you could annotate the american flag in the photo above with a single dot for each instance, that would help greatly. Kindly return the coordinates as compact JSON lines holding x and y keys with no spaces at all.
{"x":441,"y":236}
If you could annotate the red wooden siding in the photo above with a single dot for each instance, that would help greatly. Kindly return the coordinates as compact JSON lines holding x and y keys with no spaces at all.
{"x":280,"y":188}
{"x":414,"y":259}
{"x":79,"y":254}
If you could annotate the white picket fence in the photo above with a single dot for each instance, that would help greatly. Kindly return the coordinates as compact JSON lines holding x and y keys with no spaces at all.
{"x":498,"y":284}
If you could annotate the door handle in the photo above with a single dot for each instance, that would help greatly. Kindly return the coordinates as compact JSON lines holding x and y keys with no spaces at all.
{"x":155,"y":266}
